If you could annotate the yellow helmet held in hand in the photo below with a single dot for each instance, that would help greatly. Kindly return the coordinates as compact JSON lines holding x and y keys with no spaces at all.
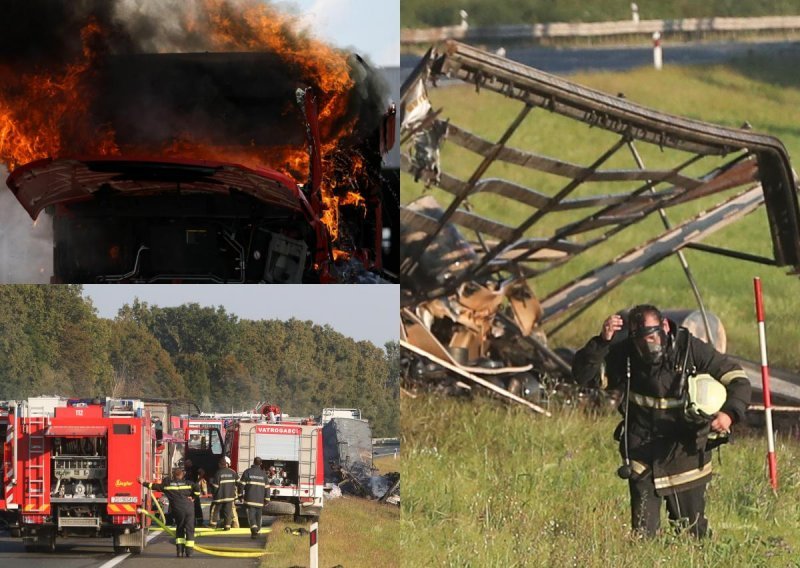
{"x":706,"y":395}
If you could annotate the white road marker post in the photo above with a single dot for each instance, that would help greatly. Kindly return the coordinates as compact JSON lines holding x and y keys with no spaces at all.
{"x":657,"y":61}
{"x":762,"y":341}
{"x":313,"y":561}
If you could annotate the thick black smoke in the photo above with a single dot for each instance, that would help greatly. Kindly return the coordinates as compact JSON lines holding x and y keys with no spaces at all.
{"x":46,"y":34}
{"x":154,"y":80}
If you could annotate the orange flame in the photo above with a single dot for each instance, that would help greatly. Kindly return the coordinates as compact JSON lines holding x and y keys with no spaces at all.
{"x":45,"y":114}
{"x":41,"y":106}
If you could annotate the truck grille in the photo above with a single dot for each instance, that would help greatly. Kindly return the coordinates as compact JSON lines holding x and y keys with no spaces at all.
{"x":79,"y":522}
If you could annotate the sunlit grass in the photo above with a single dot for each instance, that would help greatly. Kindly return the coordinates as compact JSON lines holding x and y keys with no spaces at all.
{"x":491,"y":485}
{"x":353,"y":532}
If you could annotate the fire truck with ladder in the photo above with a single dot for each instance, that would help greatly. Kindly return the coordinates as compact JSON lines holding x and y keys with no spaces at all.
{"x":69,"y":468}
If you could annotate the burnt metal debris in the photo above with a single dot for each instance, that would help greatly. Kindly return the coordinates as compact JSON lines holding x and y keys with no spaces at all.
{"x":465,"y":272}
{"x":348,"y":461}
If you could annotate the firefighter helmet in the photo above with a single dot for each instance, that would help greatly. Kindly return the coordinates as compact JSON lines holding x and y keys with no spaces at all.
{"x":706,"y":396}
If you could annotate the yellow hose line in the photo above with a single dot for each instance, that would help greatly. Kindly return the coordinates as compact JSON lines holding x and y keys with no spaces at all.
{"x":158,"y":506}
{"x":203,"y":531}
{"x":210,"y":550}
{"x":208,"y":531}
{"x":214,"y":550}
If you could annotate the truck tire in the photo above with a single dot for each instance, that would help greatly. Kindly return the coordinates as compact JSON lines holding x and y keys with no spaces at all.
{"x":42,"y":543}
{"x":277,"y":508}
{"x":50,"y":543}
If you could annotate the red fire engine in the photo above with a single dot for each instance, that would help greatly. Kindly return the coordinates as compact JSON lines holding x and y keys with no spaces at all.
{"x":70,"y":469}
{"x":291,"y":453}
{"x":290,"y":450}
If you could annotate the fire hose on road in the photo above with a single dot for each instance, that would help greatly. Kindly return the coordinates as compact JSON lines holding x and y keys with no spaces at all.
{"x":215,"y":550}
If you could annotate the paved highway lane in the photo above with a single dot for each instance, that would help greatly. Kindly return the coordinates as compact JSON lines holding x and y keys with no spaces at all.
{"x":563,"y":61}
{"x":70,"y":553}
{"x":99,"y":553}
{"x":160,"y":553}
{"x":378,"y":451}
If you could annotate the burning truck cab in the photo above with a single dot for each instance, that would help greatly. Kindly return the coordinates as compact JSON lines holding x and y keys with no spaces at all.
{"x":145,"y":221}
{"x":216,"y":168}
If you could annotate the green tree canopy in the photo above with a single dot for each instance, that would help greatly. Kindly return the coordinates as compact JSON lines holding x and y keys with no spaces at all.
{"x":52,"y":342}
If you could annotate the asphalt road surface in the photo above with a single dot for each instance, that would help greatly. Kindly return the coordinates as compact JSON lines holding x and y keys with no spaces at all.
{"x":99,"y":552}
{"x":378,"y":451}
{"x":563,"y":61}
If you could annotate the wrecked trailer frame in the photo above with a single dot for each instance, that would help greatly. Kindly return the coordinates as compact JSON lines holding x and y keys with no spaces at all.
{"x":441,"y":268}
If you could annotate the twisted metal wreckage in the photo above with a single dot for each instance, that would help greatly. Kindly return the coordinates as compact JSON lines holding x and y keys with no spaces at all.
{"x":469,"y":315}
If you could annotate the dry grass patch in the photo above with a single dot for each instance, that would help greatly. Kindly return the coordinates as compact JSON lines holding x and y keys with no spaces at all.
{"x":353,"y":533}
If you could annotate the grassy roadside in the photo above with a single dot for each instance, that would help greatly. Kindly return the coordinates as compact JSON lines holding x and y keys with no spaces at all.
{"x":353,"y":533}
{"x":386,"y":464}
{"x":489,"y":485}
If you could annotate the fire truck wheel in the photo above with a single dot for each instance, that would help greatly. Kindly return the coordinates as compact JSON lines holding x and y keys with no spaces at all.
{"x":279,"y":508}
{"x":44,"y":543}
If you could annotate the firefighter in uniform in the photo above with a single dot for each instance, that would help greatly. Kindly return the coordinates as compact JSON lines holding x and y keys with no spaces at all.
{"x":254,"y":483}
{"x":224,"y":487}
{"x":193,"y":476}
{"x":667,"y":450}
{"x":181,"y":494}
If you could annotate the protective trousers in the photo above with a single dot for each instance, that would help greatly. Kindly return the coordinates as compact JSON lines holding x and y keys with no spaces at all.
{"x":686,"y":509}
{"x":213,"y":515}
{"x":254,"y":518}
{"x":198,"y":512}
{"x":184,"y":524}
{"x":225,"y":512}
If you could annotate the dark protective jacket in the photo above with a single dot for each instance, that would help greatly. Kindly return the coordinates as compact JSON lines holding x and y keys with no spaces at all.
{"x":179,"y":492}
{"x":254,"y":483}
{"x":660,"y":438}
{"x":224,"y":485}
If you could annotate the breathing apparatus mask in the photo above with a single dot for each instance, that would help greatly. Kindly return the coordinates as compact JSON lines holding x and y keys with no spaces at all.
{"x":650,"y":342}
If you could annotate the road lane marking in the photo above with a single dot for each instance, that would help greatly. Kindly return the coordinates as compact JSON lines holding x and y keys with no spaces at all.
{"x":117,"y":559}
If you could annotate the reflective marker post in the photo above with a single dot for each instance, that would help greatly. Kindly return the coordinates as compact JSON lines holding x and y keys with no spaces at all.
{"x":313,"y":560}
{"x":657,"y":61}
{"x":762,"y":341}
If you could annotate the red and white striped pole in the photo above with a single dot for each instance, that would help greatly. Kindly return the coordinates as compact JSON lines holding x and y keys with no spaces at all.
{"x":657,"y":60}
{"x":313,"y":560}
{"x":762,"y":340}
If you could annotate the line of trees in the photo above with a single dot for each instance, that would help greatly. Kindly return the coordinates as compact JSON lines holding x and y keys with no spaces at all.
{"x":52,"y":342}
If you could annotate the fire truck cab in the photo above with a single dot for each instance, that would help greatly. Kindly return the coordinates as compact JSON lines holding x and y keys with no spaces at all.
{"x":70,"y":469}
{"x":291,"y":454}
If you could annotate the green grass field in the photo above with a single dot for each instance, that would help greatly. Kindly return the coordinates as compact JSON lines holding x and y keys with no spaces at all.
{"x":764,"y":92}
{"x":353,"y":532}
{"x":489,"y":485}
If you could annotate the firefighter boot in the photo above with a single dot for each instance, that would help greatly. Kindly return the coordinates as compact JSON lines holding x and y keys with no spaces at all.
{"x":188,"y":551}
{"x":179,"y":549}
